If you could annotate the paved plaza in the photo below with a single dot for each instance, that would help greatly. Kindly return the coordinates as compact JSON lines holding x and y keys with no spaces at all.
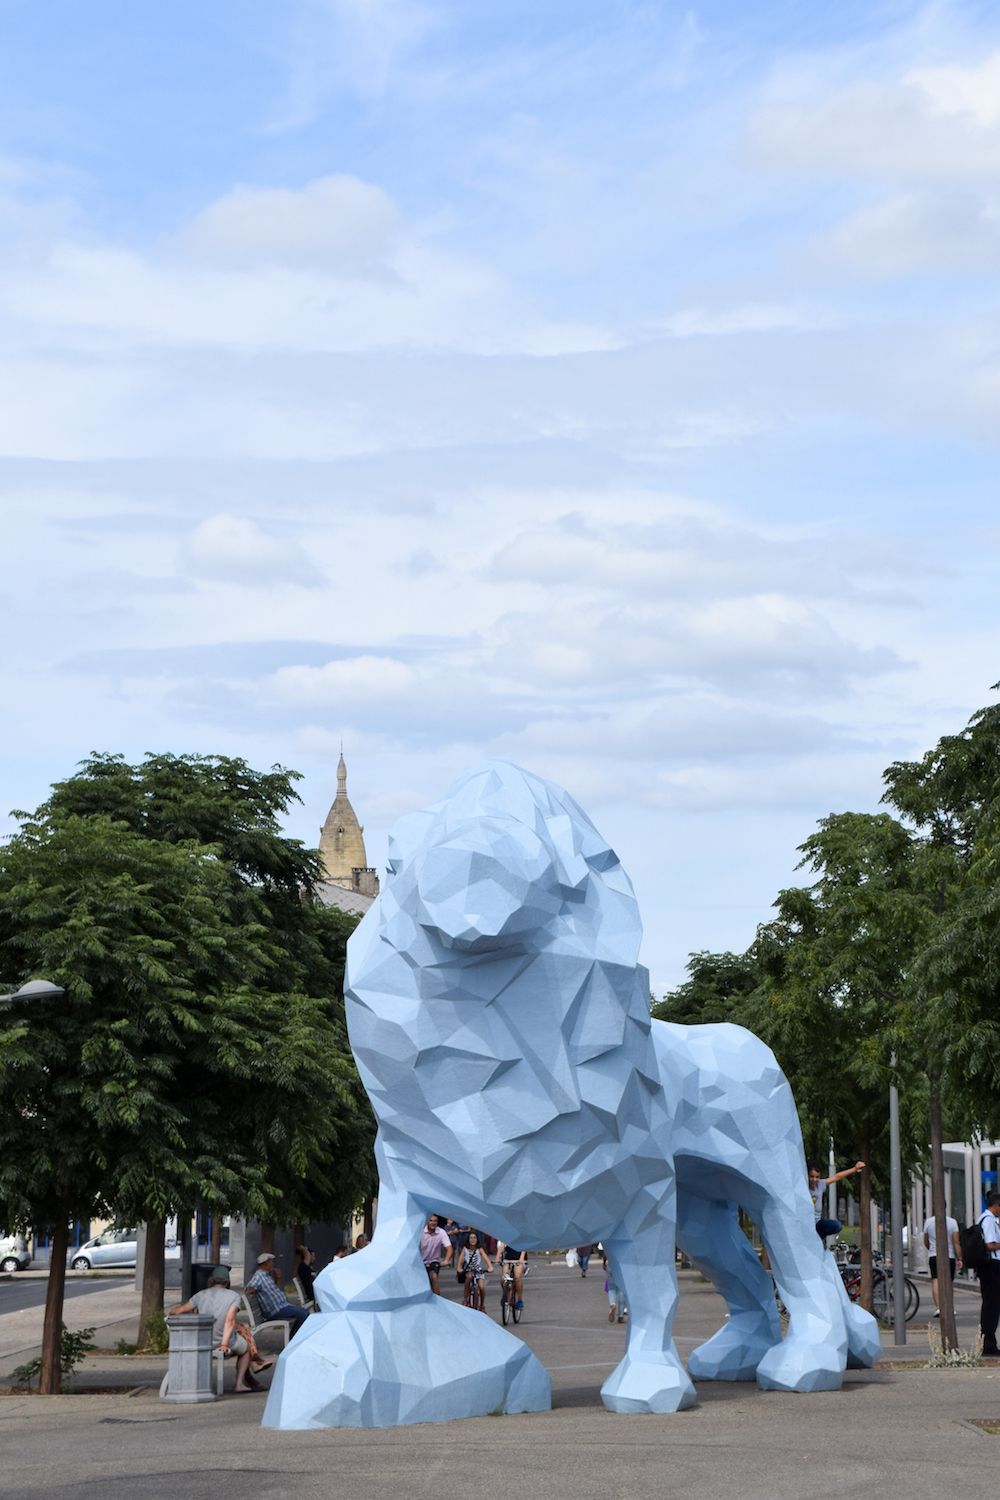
{"x":893,"y":1432}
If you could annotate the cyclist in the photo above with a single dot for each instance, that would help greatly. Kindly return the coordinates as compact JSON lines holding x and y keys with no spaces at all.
{"x":473,"y":1260}
{"x":515,"y":1262}
{"x":435,"y":1251}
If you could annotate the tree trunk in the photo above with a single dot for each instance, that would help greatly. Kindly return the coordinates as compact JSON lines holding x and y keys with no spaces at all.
{"x":865,"y":1211}
{"x":50,"y":1382}
{"x":946,"y":1300}
{"x":152,"y":1276}
{"x":368,"y":1212}
{"x":266,"y":1238}
{"x":215,"y":1239}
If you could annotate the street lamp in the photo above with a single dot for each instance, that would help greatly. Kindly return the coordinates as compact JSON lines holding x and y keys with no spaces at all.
{"x":35,"y":989}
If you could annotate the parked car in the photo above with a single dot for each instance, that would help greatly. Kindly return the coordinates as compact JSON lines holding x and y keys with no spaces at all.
{"x":14,"y":1253}
{"x":115,"y":1247}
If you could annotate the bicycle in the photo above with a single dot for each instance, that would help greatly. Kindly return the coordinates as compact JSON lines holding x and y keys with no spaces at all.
{"x":508,"y":1294}
{"x":882,"y":1292}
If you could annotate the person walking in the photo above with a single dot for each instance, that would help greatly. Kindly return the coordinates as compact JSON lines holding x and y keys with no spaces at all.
{"x":583,"y":1254}
{"x":989,"y":1276}
{"x":954,"y":1254}
{"x":435,"y":1251}
{"x":616,"y":1301}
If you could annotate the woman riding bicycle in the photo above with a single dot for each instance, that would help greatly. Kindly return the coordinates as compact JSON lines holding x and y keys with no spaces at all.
{"x":473,"y":1260}
{"x":515,"y":1262}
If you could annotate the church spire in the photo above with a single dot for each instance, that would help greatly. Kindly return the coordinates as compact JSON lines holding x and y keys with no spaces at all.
{"x":341,"y":841}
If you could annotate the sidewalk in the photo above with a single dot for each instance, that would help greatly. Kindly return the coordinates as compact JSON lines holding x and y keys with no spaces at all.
{"x":899,"y":1433}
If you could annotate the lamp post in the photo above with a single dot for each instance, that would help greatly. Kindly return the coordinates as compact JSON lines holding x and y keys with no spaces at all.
{"x":35,"y":989}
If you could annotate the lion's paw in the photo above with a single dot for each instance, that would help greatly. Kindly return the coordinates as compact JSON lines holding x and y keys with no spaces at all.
{"x":426,"y":1362}
{"x":803,"y":1366}
{"x":648,"y":1385}
{"x":864,"y":1343}
{"x":735,"y":1351}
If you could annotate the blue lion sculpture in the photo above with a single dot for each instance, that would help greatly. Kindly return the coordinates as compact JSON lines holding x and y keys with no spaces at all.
{"x":500,"y":1022}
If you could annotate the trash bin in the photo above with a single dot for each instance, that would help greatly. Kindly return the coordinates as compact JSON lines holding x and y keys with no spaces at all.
{"x":201,"y":1274}
{"x":189,"y":1373}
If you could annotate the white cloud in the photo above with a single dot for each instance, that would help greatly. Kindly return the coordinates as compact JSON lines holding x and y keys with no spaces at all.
{"x":359,"y":678}
{"x":232,"y":549}
{"x":926,"y":124}
{"x":940,"y":233}
{"x":973,"y":90}
{"x":643,"y":646}
{"x":338,"y":223}
{"x":331,"y":266}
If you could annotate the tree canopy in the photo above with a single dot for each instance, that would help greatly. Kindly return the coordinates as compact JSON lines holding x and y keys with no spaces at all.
{"x":199,"y":1055}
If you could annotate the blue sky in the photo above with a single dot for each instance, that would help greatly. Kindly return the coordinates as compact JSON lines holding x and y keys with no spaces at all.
{"x":613,"y":387}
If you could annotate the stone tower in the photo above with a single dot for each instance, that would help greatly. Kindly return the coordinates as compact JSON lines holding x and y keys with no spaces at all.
{"x":342,"y":844}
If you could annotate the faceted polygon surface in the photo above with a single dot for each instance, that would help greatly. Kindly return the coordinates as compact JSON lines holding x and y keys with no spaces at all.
{"x":500,"y":1021}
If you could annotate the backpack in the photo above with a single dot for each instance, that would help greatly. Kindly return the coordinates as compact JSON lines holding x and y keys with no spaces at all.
{"x":974,"y":1251}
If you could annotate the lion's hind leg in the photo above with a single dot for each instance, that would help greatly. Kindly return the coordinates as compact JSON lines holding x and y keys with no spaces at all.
{"x":709,"y":1233}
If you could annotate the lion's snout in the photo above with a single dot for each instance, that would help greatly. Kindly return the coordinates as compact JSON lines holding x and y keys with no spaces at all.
{"x":486,"y":885}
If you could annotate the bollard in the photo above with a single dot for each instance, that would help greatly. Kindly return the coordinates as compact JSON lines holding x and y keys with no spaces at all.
{"x":189,"y":1375}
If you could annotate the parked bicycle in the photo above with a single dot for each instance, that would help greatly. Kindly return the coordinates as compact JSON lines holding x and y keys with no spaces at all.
{"x":882,"y":1292}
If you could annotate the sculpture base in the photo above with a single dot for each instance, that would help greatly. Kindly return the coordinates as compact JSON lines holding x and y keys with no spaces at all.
{"x":427,"y":1361}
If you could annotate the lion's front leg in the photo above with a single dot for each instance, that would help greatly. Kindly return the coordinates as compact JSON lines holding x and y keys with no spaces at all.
{"x":384,"y":1350}
{"x":650,"y":1378}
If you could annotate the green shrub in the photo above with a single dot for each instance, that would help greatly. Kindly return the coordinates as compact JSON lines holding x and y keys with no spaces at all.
{"x":155,"y":1335}
{"x":72,"y":1348}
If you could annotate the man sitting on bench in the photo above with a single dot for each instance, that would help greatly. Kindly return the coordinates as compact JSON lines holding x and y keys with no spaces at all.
{"x":266,"y":1285}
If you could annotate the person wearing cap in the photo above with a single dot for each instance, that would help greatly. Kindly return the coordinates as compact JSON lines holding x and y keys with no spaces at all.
{"x":265,"y":1283}
{"x":219,"y":1302}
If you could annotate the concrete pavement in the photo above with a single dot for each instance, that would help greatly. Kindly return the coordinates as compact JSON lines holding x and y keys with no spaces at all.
{"x":895,"y":1432}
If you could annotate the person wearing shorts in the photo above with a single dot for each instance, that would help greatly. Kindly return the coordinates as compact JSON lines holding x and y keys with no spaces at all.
{"x":435,"y":1251}
{"x":515,"y":1261}
{"x":220,"y":1303}
{"x":955,"y":1254}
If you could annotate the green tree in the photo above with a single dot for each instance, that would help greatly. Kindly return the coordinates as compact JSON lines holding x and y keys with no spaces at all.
{"x":950,"y":798}
{"x":834,"y":970}
{"x":717,"y":989}
{"x":199,"y":1055}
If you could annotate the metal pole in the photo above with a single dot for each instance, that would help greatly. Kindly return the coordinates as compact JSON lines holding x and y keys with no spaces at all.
{"x":831,"y":1192}
{"x":896,"y":1195}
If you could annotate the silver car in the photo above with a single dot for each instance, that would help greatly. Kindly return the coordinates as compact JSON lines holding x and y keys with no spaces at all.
{"x":115,"y":1247}
{"x":14,"y":1253}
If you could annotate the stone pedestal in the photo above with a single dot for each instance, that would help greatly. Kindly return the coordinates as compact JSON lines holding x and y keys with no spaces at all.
{"x":190,"y":1358}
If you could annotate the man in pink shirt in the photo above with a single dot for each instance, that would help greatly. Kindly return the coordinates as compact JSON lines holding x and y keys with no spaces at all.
{"x":435,"y":1251}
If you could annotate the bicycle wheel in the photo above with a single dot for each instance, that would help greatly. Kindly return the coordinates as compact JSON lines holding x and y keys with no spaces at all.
{"x":505,"y":1308}
{"x":882,"y":1297}
{"x":912,"y":1299}
{"x":515,"y":1311}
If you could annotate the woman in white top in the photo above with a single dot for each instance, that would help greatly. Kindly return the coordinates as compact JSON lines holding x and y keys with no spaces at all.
{"x":954,"y":1258}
